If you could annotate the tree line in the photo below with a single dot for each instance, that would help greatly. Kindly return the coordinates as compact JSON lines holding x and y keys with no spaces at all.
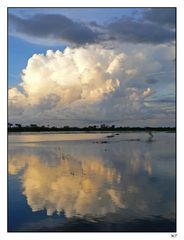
{"x":103,"y":127}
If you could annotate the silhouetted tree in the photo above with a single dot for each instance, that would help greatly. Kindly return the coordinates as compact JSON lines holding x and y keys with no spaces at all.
{"x":10,"y":125}
{"x":34,"y":125}
{"x":66,"y":127}
{"x":18,"y":125}
{"x":102,"y":126}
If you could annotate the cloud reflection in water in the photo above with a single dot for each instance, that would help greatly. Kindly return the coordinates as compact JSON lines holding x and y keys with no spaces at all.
{"x":78,"y":187}
{"x":94,"y":181}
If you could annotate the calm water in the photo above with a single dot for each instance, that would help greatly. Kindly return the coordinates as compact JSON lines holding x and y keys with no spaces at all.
{"x":91,"y":182}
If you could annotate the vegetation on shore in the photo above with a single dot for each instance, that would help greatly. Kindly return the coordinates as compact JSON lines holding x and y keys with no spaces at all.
{"x":91,"y":128}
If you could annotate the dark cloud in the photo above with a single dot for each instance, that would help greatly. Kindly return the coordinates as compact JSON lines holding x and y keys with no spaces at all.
{"x":153,"y":26}
{"x":163,"y":16}
{"x":151,"y":81}
{"x":54,"y":27}
{"x":169,"y":100}
{"x":139,"y":31}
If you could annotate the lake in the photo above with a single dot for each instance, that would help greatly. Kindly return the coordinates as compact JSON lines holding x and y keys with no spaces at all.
{"x":91,"y":182}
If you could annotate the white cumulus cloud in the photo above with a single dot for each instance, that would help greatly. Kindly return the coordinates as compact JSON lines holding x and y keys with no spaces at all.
{"x":90,"y":83}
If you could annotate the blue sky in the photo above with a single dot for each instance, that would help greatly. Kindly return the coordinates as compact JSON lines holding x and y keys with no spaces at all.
{"x":111,"y":63}
{"x":22,"y":50}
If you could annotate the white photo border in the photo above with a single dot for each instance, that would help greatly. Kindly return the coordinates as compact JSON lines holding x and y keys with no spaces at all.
{"x":4,"y":5}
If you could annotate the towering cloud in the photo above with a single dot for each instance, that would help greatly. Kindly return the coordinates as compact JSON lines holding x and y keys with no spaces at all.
{"x":58,"y":79}
{"x":89,"y":83}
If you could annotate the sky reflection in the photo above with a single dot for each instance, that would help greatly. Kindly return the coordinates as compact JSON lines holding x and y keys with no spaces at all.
{"x":93,"y":180}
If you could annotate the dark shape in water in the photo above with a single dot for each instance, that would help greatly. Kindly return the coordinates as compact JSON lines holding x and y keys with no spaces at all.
{"x":150,"y":139}
{"x":101,"y":142}
{"x":110,"y":136}
{"x":136,"y":139}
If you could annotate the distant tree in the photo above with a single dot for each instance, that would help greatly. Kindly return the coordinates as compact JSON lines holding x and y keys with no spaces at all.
{"x":102,"y":126}
{"x":34,"y":125}
{"x":18,"y":125}
{"x":10,"y":125}
{"x":90,"y":128}
{"x":66,"y":127}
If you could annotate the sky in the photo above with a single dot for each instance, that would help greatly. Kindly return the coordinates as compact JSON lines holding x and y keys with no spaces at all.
{"x":82,"y":66}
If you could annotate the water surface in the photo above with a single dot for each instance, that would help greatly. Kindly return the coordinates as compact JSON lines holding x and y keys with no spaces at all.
{"x":91,"y":182}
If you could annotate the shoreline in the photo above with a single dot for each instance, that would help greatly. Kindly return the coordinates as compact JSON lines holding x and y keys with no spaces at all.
{"x":91,"y":132}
